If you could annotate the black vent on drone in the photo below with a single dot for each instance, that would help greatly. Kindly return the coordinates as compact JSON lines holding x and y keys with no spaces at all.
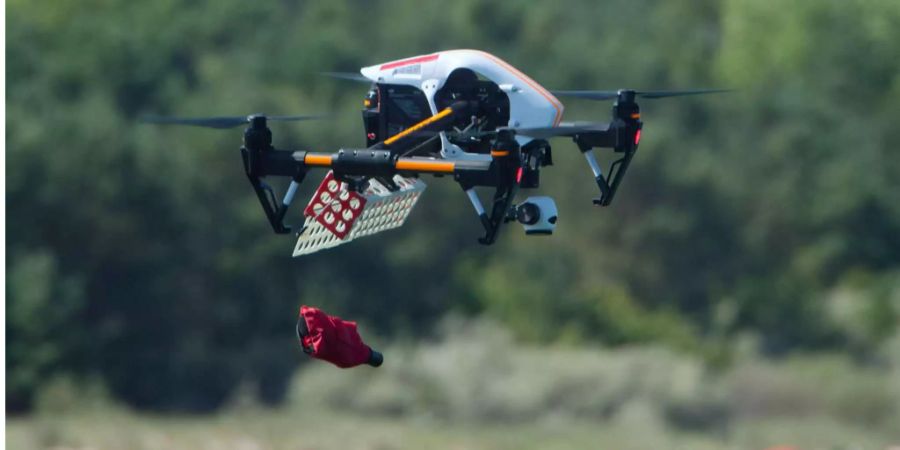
{"x":490,"y":105}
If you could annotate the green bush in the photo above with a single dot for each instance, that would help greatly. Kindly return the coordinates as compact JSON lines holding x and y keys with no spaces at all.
{"x":474,"y":373}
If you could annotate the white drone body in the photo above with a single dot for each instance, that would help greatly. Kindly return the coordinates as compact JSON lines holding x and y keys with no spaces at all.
{"x":461,"y":115}
{"x":530,"y":104}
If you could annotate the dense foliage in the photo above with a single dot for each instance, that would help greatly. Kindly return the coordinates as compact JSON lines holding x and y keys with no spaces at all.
{"x":138,"y":255}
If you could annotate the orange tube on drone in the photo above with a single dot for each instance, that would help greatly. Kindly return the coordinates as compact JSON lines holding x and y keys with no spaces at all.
{"x":446,"y":112}
{"x":321,"y":160}
{"x":415,"y":165}
{"x":402,"y":164}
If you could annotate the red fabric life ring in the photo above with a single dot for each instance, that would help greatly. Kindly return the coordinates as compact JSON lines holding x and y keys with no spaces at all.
{"x":333,"y":339}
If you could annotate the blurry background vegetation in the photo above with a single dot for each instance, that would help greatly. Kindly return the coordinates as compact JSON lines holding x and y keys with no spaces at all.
{"x":755,"y":242}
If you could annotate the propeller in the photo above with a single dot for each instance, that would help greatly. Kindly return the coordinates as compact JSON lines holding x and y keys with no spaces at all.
{"x":608,"y":95}
{"x":350,"y":76}
{"x":222,"y":122}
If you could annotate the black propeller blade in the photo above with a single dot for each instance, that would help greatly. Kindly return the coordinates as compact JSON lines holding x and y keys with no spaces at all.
{"x":663,"y":94}
{"x":222,"y":122}
{"x":350,"y":76}
{"x":609,"y":95}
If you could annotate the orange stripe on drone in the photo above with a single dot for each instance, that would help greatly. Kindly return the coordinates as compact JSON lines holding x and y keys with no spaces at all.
{"x":534,"y":85}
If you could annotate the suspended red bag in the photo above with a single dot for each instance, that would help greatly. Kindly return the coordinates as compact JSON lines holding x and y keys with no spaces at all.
{"x":333,"y":339}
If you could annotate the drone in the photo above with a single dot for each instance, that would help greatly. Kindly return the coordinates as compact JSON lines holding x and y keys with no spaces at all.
{"x":460,"y":114}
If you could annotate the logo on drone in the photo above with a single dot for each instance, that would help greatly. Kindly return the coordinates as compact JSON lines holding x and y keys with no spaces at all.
{"x":415,"y":69}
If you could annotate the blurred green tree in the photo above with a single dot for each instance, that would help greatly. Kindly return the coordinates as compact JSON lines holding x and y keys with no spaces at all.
{"x":138,"y":254}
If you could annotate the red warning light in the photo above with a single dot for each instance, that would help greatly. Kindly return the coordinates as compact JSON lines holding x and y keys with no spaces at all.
{"x":519,"y":175}
{"x":637,"y":137}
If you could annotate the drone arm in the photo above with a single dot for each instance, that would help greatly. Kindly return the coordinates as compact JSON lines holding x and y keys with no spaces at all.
{"x":479,"y":207}
{"x":499,"y":172}
{"x":503,"y":198}
{"x":623,"y":137}
{"x":617,"y":172}
{"x":274,"y":211}
{"x":381,"y":161}
{"x":598,"y":172}
{"x":503,"y":173}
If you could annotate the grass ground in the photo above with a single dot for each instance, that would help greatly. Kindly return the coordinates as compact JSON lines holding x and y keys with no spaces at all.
{"x":481,"y":390}
{"x":299,"y":429}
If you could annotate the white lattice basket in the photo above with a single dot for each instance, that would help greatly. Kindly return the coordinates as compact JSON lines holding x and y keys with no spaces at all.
{"x":383,"y":210}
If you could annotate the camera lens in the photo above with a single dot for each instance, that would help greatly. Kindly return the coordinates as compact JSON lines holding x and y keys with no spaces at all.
{"x":528,"y":214}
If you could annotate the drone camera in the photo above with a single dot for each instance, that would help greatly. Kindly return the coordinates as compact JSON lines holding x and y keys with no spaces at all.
{"x":538,"y":215}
